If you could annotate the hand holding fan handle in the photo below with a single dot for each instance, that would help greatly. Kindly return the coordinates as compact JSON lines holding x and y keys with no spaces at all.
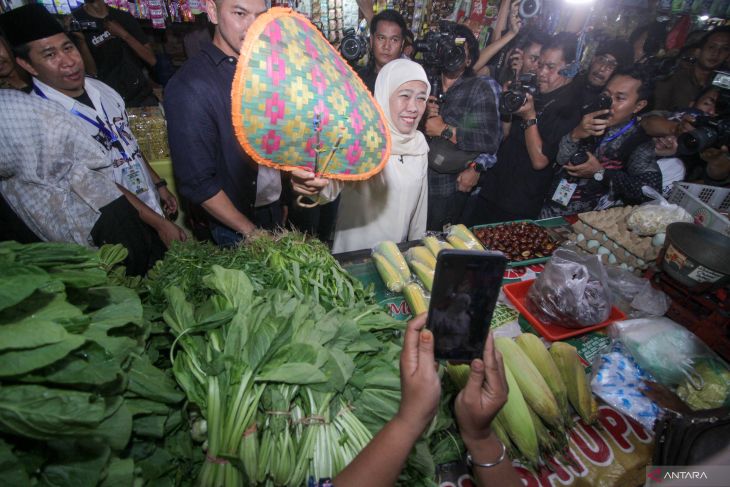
{"x":301,"y":200}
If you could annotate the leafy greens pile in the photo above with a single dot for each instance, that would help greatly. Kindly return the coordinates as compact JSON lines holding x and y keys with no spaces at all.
{"x":81,"y":403}
{"x":287,"y":359}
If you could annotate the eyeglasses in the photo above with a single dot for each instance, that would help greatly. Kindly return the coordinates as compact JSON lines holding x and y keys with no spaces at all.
{"x":606,"y":62}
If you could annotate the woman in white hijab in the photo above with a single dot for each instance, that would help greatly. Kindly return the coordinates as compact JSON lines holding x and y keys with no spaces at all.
{"x":392,"y":204}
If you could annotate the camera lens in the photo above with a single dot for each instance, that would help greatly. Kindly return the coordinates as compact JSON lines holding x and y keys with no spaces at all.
{"x":511,"y":101}
{"x":578,"y":158}
{"x":696,"y":140}
{"x":349,"y":48}
{"x":452,"y":58}
{"x":529,"y":8}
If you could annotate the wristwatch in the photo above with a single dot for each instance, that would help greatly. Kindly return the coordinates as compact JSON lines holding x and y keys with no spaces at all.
{"x":447,"y":133}
{"x":528,"y":123}
{"x":598,"y":175}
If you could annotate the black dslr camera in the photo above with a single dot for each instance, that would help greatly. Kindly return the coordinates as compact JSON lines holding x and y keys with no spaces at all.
{"x":354,"y":46}
{"x":710,"y":131}
{"x":600,"y":102}
{"x":516,"y":96}
{"x":443,"y":50}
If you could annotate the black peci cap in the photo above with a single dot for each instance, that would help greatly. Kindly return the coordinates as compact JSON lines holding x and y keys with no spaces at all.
{"x":28,"y":23}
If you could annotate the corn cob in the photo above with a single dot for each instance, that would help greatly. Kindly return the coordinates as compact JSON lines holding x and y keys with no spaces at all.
{"x":435,"y":245}
{"x":548,"y":445}
{"x":424,"y":274}
{"x":416,"y":298}
{"x":574,"y":376}
{"x":458,"y":243}
{"x":465,"y":236}
{"x":390,"y":251}
{"x":533,"y":386}
{"x":459,"y":374}
{"x":517,"y":421}
{"x":391,"y":277}
{"x":423,"y":255}
{"x":501,"y":432}
{"x":539,"y":355}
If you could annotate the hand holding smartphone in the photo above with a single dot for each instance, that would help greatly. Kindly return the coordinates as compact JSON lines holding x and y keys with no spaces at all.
{"x":465,"y":291}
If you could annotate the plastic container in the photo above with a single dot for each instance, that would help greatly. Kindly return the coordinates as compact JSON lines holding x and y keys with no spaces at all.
{"x":517,"y":293}
{"x":705,"y":203}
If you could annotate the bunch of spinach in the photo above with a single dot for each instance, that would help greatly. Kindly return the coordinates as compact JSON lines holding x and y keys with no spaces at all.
{"x":81,"y":403}
{"x":288,"y":389}
{"x":288,"y":260}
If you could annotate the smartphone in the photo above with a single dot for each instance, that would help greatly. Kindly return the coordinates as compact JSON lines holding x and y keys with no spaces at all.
{"x":465,"y":291}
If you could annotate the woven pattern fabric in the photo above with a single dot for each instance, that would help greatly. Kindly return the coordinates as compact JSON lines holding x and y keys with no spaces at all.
{"x":286,"y":75}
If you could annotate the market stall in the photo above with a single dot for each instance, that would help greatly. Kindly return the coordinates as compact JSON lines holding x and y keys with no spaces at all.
{"x":148,"y":371}
{"x":613,"y":449}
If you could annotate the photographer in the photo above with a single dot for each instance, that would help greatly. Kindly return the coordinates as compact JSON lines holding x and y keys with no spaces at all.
{"x":704,"y":165}
{"x":611,"y":56}
{"x":622,"y":161}
{"x":687,"y":83}
{"x":524,"y":57}
{"x":465,"y":127}
{"x":388,"y":32}
{"x":515,"y":187}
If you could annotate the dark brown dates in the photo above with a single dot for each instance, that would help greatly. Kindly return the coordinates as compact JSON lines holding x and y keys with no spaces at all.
{"x":519,"y":241}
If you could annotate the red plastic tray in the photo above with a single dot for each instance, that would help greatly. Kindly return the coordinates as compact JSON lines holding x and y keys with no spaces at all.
{"x":517,"y":293}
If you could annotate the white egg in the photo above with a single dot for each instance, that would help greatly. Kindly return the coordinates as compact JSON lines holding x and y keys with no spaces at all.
{"x":658,"y":239}
{"x":603,"y":251}
{"x":580,"y":237}
{"x":592,"y":244}
{"x":611,"y":259}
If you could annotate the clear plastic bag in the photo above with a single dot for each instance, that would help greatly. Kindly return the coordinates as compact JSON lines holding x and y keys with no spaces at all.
{"x":571,"y":291}
{"x":653,"y":217}
{"x":635,"y":295}
{"x":677,"y":359}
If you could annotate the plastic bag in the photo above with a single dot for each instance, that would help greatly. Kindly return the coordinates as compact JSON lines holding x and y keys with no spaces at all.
{"x":572,"y":290}
{"x":664,"y":348}
{"x":635,"y":295}
{"x":619,"y":381}
{"x":653,"y":217}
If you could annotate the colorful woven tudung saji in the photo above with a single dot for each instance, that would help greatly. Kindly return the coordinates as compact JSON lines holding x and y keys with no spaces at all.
{"x":297,"y":104}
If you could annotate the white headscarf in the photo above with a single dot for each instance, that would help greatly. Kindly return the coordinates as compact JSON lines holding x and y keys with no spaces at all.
{"x":390,"y":78}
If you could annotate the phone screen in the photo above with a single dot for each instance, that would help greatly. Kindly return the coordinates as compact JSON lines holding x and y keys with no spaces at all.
{"x":465,"y":291}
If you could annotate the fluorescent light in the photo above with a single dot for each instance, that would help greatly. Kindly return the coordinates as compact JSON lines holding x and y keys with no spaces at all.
{"x":579,"y":1}
{"x":704,"y":17}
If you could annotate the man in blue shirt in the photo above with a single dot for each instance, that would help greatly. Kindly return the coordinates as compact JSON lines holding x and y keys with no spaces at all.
{"x":211,"y":168}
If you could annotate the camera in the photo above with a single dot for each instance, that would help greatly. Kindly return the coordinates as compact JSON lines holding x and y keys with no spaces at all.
{"x":85,"y":25}
{"x":443,"y":50}
{"x":512,"y":99}
{"x":709,"y":132}
{"x":353,"y":46}
{"x":600,"y":102}
{"x":529,"y":8}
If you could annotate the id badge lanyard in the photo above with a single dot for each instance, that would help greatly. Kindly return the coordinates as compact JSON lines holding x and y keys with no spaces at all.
{"x":106,"y":131}
{"x":618,"y":134}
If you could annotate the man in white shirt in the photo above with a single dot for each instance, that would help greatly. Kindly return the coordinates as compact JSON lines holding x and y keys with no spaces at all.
{"x":47,"y":53}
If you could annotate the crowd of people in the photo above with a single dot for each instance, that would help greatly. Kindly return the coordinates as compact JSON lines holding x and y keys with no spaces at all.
{"x":509,"y":132}
{"x":512,"y":131}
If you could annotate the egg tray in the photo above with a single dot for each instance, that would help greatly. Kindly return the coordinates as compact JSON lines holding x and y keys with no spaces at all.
{"x":605,"y":233}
